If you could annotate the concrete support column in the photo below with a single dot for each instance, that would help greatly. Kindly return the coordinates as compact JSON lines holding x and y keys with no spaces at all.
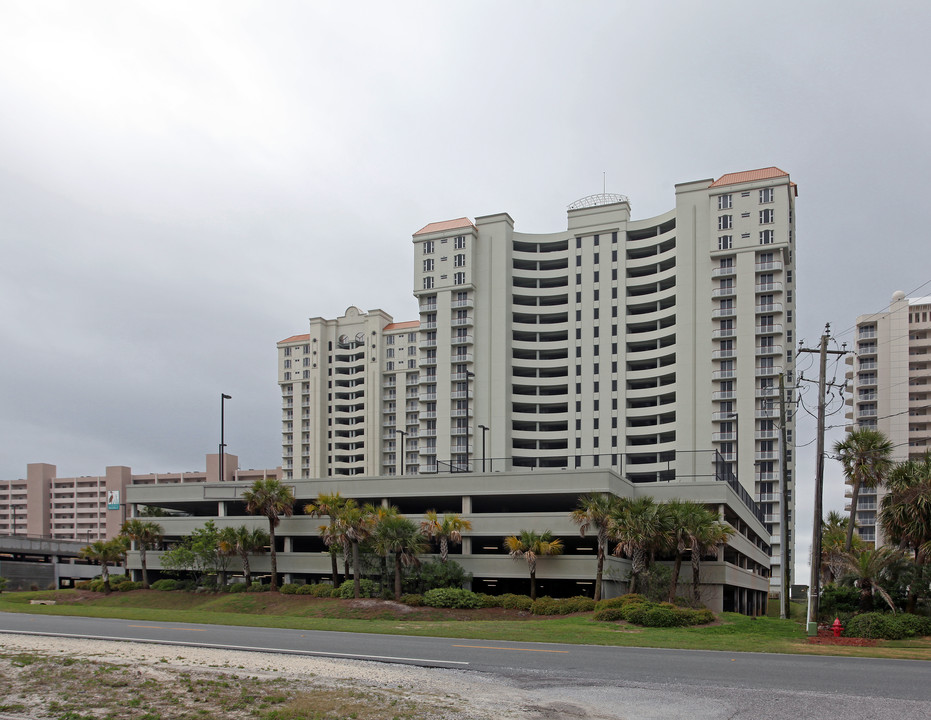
{"x":221,"y":509}
{"x":466,"y":504}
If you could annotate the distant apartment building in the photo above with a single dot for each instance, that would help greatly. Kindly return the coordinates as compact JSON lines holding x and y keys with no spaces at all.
{"x":92,"y":507}
{"x":653,"y":347}
{"x":890,"y":389}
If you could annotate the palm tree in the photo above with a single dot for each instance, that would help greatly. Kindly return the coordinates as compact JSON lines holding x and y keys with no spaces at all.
{"x":446,"y":529}
{"x":866,"y":458}
{"x":105,"y":552}
{"x":905,"y":513}
{"x":398,"y":535}
{"x":529,"y":546}
{"x":146,"y":534}
{"x":379,"y":513}
{"x":244,"y":541}
{"x":269,"y":497}
{"x":687,"y":518}
{"x":707,"y":538}
{"x":354,"y":524}
{"x":328,"y":504}
{"x":833,"y":539}
{"x":866,"y":568}
{"x":640,"y":527}
{"x":595,"y":510}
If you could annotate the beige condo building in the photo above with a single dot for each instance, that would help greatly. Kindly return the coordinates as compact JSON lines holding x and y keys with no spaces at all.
{"x":890,"y":390}
{"x":652,"y":347}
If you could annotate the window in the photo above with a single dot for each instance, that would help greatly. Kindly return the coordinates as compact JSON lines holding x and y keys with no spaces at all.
{"x":726,"y":222}
{"x":428,"y":282}
{"x":390,"y":353}
{"x":724,"y":242}
{"x":287,"y":363}
{"x":390,"y":340}
{"x":766,"y":237}
{"x":766,"y":195}
{"x":459,"y":278}
{"x":428,"y":247}
{"x":724,"y":202}
{"x":459,"y":260}
{"x":428,"y":265}
{"x":726,"y":262}
{"x":411,"y":337}
{"x":767,"y":216}
{"x":459,"y":243}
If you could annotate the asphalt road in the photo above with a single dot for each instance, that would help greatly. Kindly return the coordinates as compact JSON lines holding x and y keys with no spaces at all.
{"x":755,"y":684}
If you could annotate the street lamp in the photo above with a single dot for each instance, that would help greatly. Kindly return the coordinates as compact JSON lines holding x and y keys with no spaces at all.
{"x":484,"y":430}
{"x":403,"y":434}
{"x":223,"y":398}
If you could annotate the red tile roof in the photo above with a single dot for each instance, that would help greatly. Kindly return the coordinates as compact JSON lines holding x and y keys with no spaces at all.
{"x":462,"y":222}
{"x":749,"y":176}
{"x":402,"y":325}
{"x":295,"y":338}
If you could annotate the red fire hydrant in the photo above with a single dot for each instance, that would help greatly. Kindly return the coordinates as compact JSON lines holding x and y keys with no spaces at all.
{"x":836,"y":627}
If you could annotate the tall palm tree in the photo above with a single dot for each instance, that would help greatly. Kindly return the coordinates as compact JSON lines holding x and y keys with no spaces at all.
{"x":905,"y":512}
{"x":244,"y":541}
{"x":866,"y":456}
{"x":640,"y":527}
{"x":866,"y":568}
{"x":687,"y":518}
{"x":146,"y":534}
{"x":354,"y":523}
{"x":105,"y":552}
{"x":379,"y":513}
{"x":446,"y":529}
{"x":271,"y":498}
{"x":707,"y":538}
{"x":328,"y":504}
{"x":529,"y":546}
{"x":398,"y":535}
{"x":595,"y":510}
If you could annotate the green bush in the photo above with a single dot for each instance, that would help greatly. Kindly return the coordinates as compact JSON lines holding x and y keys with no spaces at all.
{"x":258,"y":587}
{"x":165,"y":584}
{"x":322,"y":590}
{"x":836,"y":599}
{"x":696,"y":616}
{"x":289,"y":588}
{"x":509,"y":601}
{"x":914,"y":625}
{"x":305,"y":589}
{"x":874,"y":625}
{"x":489,"y":601}
{"x":238,"y":587}
{"x":451,"y":598}
{"x":655,"y":582}
{"x":609,"y":614}
{"x":563,"y":606}
{"x":128,"y":585}
{"x":367,"y":589}
{"x":80,"y":585}
{"x":436,"y":574}
{"x":659,"y":616}
{"x":96,"y":586}
{"x":412,"y":599}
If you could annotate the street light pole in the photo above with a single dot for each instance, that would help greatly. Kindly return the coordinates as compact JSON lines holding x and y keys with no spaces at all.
{"x":403,"y":434}
{"x":223,"y":398}
{"x":484,"y":430}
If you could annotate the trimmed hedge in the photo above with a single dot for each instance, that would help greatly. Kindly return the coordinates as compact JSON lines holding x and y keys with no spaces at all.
{"x":238,"y":587}
{"x":128,"y":586}
{"x":165,"y":585}
{"x":412,"y":599}
{"x":562,"y":606}
{"x":509,"y":601}
{"x":882,"y":626}
{"x":651,"y":614}
{"x":367,"y":589}
{"x":289,"y":588}
{"x":488,"y":601}
{"x":451,"y":598}
{"x":620,"y":601}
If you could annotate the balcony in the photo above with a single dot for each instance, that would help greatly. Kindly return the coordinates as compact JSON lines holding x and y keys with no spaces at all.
{"x":723,"y":374}
{"x":467,"y":303}
{"x":766,"y":455}
{"x":770,"y":371}
{"x":724,"y":271}
{"x":720,"y":354}
{"x":427,"y":344}
{"x":460,"y":376}
{"x":461,"y":394}
{"x":723,"y":436}
{"x":770,"y":329}
{"x":724,"y":312}
{"x":724,"y":395}
{"x":465,"y":358}
{"x":764,"y":413}
{"x":769,"y":392}
{"x":428,"y":432}
{"x":427,"y":361}
{"x":456,"y":431}
{"x":769,"y":287}
{"x":427,"y":397}
{"x":428,"y":451}
{"x":771,"y":265}
{"x":769,"y":497}
{"x":462,"y":322}
{"x":867,"y":365}
{"x":766,"y":434}
{"x":769,"y":308}
{"x":724,"y":333}
{"x":460,"y":412}
{"x":428,"y":307}
{"x":462,"y":340}
{"x":719,"y":416}
{"x":866,"y":349}
{"x":724,"y":292}
{"x":428,"y":325}
{"x":763,"y":350}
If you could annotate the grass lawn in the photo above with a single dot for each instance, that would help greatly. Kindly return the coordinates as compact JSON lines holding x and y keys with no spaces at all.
{"x":732,"y":633}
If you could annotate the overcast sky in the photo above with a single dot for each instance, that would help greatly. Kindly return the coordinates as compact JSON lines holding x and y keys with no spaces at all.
{"x":184,"y":184}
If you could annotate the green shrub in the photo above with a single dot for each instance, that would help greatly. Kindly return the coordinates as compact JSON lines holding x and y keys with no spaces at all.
{"x":436,"y":574}
{"x":562,"y":606}
{"x":655,"y":583}
{"x":258,"y":587}
{"x":80,"y":585}
{"x":912,"y":625}
{"x":187,"y":585}
{"x":289,"y":588}
{"x":451,"y":598}
{"x":367,"y":589}
{"x":874,"y":625}
{"x":546,"y":606}
{"x":165,"y":584}
{"x":609,"y":614}
{"x":322,"y":590}
{"x":580,"y":603}
{"x":696,"y":616}
{"x":128,"y":585}
{"x":836,"y":599}
{"x":658,"y":616}
{"x":96,"y":586}
{"x":509,"y":601}
{"x":412,"y":599}
{"x":489,"y":601}
{"x":634,"y":612}
{"x":305,"y":589}
{"x":238,"y":587}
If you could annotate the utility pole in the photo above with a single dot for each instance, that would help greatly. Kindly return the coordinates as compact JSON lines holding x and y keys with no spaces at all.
{"x":814,"y":589}
{"x":784,"y":503}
